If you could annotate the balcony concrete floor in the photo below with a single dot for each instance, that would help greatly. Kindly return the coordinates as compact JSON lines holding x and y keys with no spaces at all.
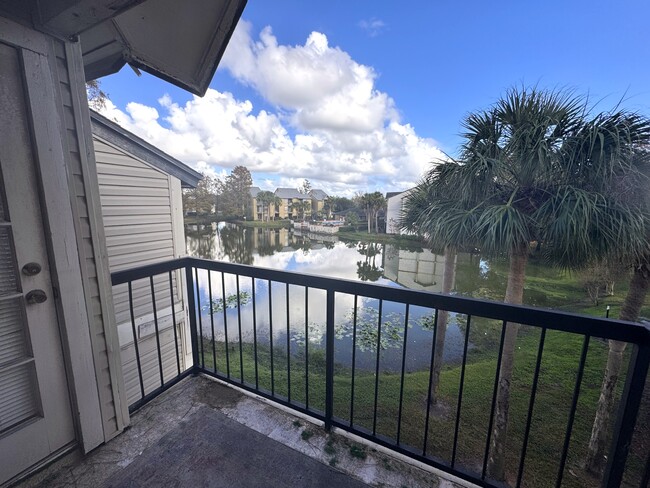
{"x":203,"y":434}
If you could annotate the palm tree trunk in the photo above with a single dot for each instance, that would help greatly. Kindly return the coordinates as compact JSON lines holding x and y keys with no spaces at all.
{"x":448,"y":277}
{"x":596,"y":452}
{"x":514,"y":294}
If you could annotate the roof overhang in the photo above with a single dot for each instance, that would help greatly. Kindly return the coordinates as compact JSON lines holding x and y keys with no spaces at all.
{"x":179,"y":41}
{"x":129,"y":142}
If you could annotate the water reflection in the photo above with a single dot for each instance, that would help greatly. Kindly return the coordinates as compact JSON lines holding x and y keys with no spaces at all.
{"x":272,"y":316}
{"x":275,"y":316}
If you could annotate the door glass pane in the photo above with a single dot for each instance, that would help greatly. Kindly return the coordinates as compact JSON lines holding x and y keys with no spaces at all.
{"x":13,"y":342}
{"x":8,"y":268}
{"x":19,"y":400}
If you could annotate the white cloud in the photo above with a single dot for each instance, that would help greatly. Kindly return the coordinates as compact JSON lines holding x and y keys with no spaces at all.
{"x":373,"y":26}
{"x":331,"y":124}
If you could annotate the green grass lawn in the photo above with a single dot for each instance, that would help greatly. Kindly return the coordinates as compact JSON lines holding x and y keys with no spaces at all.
{"x":544,"y":287}
{"x":550,"y":415}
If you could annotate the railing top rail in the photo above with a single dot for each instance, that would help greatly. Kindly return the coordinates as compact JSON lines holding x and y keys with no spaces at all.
{"x":556,"y":320}
{"x":140,"y":272}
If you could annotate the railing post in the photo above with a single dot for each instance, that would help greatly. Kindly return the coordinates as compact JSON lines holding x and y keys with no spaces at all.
{"x":329,"y":360}
{"x":627,"y":416}
{"x":191,"y":305}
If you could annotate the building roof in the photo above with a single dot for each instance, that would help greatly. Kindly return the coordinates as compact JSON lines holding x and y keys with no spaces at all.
{"x":318,"y":194}
{"x":290,"y":193}
{"x":392,"y":194}
{"x":254,"y":190}
{"x":129,"y":142}
{"x":151,"y":35}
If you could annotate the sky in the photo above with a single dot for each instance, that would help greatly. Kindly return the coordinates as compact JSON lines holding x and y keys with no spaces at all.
{"x":363,"y":96}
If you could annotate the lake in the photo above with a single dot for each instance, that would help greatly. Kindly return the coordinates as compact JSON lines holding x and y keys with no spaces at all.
{"x":408,"y":266}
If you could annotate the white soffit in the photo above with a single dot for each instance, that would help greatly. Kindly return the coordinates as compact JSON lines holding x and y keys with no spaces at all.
{"x":179,"y":41}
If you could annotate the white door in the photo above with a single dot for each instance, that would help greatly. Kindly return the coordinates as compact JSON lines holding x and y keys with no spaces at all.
{"x":35,"y":415}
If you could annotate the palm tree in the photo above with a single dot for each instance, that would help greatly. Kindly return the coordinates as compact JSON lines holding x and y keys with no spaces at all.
{"x":301,"y":207}
{"x":419,"y":212}
{"x":266,"y":199}
{"x":533,"y":169}
{"x":636,"y":191}
{"x":372,"y":203}
{"x":379,"y":203}
{"x":276,"y":202}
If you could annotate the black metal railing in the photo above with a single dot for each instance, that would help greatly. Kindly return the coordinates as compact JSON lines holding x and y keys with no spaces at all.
{"x":324,"y":347}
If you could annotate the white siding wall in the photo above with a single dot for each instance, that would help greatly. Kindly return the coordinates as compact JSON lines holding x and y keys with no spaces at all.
{"x":82,"y":179}
{"x":141,"y":216}
{"x":393,"y":213}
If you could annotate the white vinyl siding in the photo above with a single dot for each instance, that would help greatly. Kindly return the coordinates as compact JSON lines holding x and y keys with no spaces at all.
{"x":80,"y":176}
{"x":139,"y":222}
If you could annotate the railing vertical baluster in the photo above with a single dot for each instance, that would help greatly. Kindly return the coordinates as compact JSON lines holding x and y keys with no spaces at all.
{"x":628,"y":408}
{"x":401,"y":383}
{"x":354,"y":359}
{"x":433,"y":352}
{"x":225,"y":321}
{"x":155,"y":324}
{"x":241,"y":350}
{"x":306,"y":348}
{"x":191,"y":299}
{"x":214,"y":347}
{"x":271,"y":338}
{"x":460,"y":392}
{"x":257,"y":377}
{"x":486,"y":455}
{"x":627,"y":415}
{"x":329,"y":361}
{"x":198,"y":306}
{"x":531,"y":406}
{"x":288,"y":347}
{"x":135,"y":339}
{"x":171,"y":294}
{"x":374,"y":414}
{"x":572,"y":412}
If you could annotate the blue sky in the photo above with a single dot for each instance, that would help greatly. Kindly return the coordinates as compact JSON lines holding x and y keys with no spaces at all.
{"x":382,"y":86}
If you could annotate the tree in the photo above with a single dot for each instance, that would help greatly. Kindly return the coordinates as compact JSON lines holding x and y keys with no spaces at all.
{"x":266,"y":199}
{"x":200,"y":199}
{"x":635,"y":191}
{"x":533,"y":168}
{"x":301,"y":207}
{"x":234,"y":198}
{"x":97,"y":97}
{"x":340,"y":204}
{"x":327,"y":207}
{"x":436,"y":188}
{"x":598,"y":278}
{"x":378,"y":204}
{"x":372,"y":203}
{"x":352,"y":219}
{"x":305,"y":188}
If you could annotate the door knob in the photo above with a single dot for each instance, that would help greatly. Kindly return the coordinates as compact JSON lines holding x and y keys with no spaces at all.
{"x":35,"y":296}
{"x":31,"y":269}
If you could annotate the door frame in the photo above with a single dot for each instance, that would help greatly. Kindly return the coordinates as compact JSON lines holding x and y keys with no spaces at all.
{"x":56,"y":207}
